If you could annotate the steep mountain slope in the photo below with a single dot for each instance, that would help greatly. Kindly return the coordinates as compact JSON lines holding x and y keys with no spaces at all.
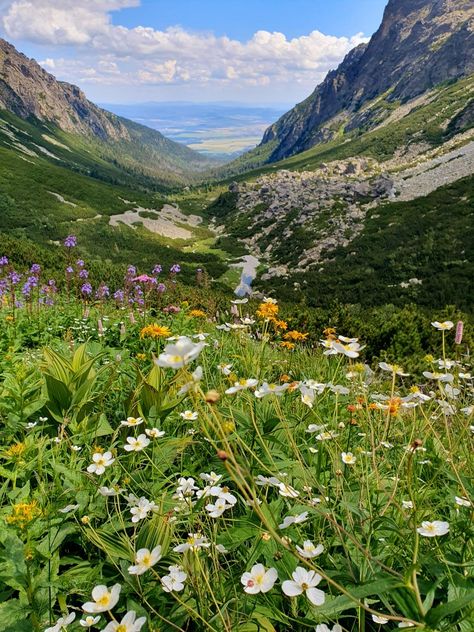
{"x":29,"y":92}
{"x":420,"y":44}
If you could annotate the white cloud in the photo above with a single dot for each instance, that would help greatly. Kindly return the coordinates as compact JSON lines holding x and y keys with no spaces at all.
{"x":108,"y":54}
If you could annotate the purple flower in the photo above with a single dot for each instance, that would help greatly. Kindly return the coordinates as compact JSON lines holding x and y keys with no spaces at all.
{"x":70,"y":241}
{"x":175,"y":268}
{"x":102,"y":292}
{"x":86,"y":289}
{"x":157,"y":269}
{"x":80,"y":263}
{"x":14,"y":277}
{"x":83,"y":274}
{"x":161,"y":287}
{"x":35,"y":269}
{"x":3,"y":261}
{"x":69,"y":270}
{"x":119,"y":296}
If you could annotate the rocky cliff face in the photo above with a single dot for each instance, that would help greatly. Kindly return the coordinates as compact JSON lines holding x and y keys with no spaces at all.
{"x":420,"y":43}
{"x":28,"y":91}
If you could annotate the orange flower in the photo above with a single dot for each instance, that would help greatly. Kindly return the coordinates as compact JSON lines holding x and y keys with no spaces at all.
{"x":197,"y":313}
{"x":279,"y":324}
{"x":287,"y":345}
{"x":296,"y":336}
{"x":267,"y":310}
{"x":330,"y":332}
{"x":155,"y":331}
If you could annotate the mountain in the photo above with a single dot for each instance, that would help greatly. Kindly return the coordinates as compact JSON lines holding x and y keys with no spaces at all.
{"x":419,"y":45}
{"x":30,"y":93}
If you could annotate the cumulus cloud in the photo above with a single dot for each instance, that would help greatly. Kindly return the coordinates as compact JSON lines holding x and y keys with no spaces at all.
{"x":112,"y":54}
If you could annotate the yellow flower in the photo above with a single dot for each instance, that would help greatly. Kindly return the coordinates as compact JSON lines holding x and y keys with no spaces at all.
{"x":197,"y":313}
{"x":141,"y":356}
{"x":330,"y":332}
{"x":23,"y":513}
{"x":287,"y":345}
{"x":228,"y":427}
{"x":295,"y":336}
{"x":155,"y":331}
{"x":267,"y":310}
{"x":279,"y":324}
{"x":9,"y":319}
{"x":15,"y":450}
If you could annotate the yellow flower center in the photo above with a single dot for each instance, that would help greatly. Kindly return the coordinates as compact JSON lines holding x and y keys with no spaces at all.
{"x":104,"y":600}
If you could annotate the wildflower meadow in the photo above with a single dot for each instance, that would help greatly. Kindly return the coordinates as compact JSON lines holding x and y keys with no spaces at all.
{"x":166,"y":465}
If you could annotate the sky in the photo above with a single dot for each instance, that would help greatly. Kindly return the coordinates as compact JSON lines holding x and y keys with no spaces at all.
{"x":247,"y":51}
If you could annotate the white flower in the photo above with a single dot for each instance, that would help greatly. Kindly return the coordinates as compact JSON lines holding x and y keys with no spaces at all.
{"x":378,"y":619}
{"x":142,"y":509}
{"x":100,"y":462}
{"x":393,"y":368}
{"x":130,"y":422}
{"x":211,"y":478}
{"x":218,"y":508}
{"x":259,"y":579}
{"x":76,"y":448}
{"x":240,"y":301}
{"x":407,"y":504}
{"x":175,"y":580}
{"x":68,"y":509}
{"x":289,"y":520}
{"x":315,"y":427}
{"x":89,"y":621}
{"x":189,"y":415}
{"x":31,"y":424}
{"x":432,"y":529}
{"x":221,"y":492}
{"x":322,"y":627}
{"x":270,"y":389}
{"x":406,"y":624}
{"x":129,"y":623}
{"x":62,"y":622}
{"x":267,"y":299}
{"x":462,"y":502}
{"x":441,"y":377}
{"x":348,"y":458}
{"x":225,"y":369}
{"x":307,"y":395}
{"x":220,"y":548}
{"x":196,"y":377}
{"x":447,"y":324}
{"x":178,"y":355}
{"x":109,"y":491}
{"x":304,"y":582}
{"x":186,"y":488}
{"x":351,"y":349}
{"x":264,"y":480}
{"x":104,"y":599}
{"x":287,"y":491}
{"x":194,"y":542}
{"x":241,"y":385}
{"x":136,"y":444}
{"x":325,"y":436}
{"x":309,"y":550}
{"x":155,"y":433}
{"x":144,"y":560}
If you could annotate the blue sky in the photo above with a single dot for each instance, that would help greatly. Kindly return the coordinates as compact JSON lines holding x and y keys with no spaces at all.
{"x":124,"y":51}
{"x":240,"y":19}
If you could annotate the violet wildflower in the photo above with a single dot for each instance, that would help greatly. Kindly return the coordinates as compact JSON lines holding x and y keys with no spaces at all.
{"x":157,"y":269}
{"x":102,"y":292}
{"x":3,"y":261}
{"x":86,"y":289}
{"x":70,"y":241}
{"x":69,"y":270}
{"x":80,"y":263}
{"x":83,"y":274}
{"x":35,"y":269}
{"x":161,"y":287}
{"x":14,"y":277}
{"x":119,"y":296}
{"x":175,"y":268}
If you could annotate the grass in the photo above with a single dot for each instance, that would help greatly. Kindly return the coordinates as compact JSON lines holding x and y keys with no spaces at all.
{"x":340,"y":459}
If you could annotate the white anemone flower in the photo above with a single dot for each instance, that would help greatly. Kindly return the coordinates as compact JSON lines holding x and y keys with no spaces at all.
{"x":393,"y":368}
{"x":433,"y":529}
{"x":194,"y":542}
{"x":136,"y":444}
{"x":379,"y":619}
{"x":217,"y":509}
{"x":155,"y":433}
{"x":271,"y":389}
{"x":99,"y":462}
{"x":182,"y":352}
{"x":462,"y":502}
{"x":62,"y":622}
{"x":351,"y":349}
{"x":189,"y":415}
{"x":289,"y":520}
{"x":225,"y":369}
{"x":307,"y":395}
{"x":259,"y":580}
{"x":144,"y":560}
{"x":323,"y":627}
{"x":104,"y":599}
{"x":241,"y":385}
{"x":142,"y":508}
{"x":129,"y":623}
{"x":348,"y":458}
{"x":444,"y":326}
{"x":89,"y":621}
{"x":304,"y":582}
{"x":440,"y":377}
{"x":309,"y":550}
{"x":287,"y":491}
{"x":174,"y":582}
{"x":110,"y":491}
{"x":130,"y":422}
{"x":211,"y":478}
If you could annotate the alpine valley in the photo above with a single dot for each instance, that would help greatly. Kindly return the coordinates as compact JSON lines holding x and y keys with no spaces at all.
{"x":363,"y":193}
